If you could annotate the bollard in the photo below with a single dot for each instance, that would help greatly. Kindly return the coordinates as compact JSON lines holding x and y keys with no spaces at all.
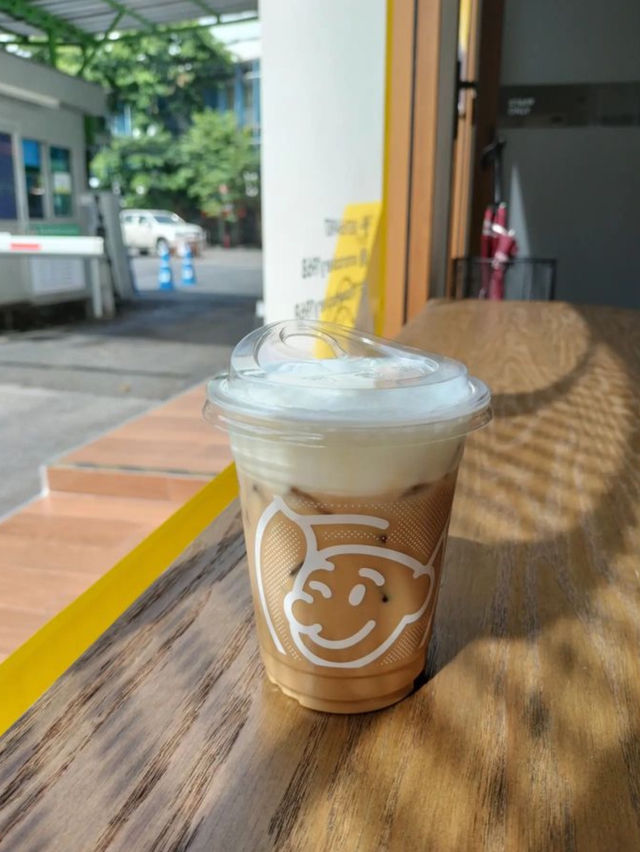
{"x":165,"y":273}
{"x":188,"y":278}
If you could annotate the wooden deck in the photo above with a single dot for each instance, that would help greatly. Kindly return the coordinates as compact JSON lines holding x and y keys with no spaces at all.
{"x":103,"y":499}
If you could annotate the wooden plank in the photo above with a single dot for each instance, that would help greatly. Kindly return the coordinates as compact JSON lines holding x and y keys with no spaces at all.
{"x":486,"y":114}
{"x":399,"y":104}
{"x":46,"y":532}
{"x":89,"y":507}
{"x":65,"y":556}
{"x":416,"y":147}
{"x":463,"y":147}
{"x":124,"y":483}
{"x":16,"y":625}
{"x":41,"y":591}
{"x":174,"y":427}
{"x":147,"y":453}
{"x":56,"y":547}
{"x":524,"y":733}
{"x":423,"y":177}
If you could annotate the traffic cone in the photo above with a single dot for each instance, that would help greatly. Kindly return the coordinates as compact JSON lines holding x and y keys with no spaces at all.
{"x":165,"y":273}
{"x":188,"y":278}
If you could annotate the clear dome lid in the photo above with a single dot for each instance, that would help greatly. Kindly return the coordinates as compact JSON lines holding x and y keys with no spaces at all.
{"x":322,"y":376}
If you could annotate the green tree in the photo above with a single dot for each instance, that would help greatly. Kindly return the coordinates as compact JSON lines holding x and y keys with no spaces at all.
{"x":141,"y":167}
{"x":162,"y":77}
{"x":217,"y":165}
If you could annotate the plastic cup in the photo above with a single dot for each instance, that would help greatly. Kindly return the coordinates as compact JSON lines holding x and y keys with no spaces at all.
{"x":347,"y":449}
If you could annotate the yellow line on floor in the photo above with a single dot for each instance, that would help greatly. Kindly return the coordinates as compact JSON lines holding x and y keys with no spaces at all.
{"x":27,"y":673}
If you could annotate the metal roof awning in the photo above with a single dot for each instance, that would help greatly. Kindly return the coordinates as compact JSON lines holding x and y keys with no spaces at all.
{"x":80,"y":21}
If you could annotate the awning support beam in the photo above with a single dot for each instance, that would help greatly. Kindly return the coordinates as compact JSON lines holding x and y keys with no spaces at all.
{"x":38,"y":18}
{"x":207,"y":9}
{"x":88,"y":40}
{"x":131,"y":13}
{"x":53,"y":52}
{"x":90,"y":52}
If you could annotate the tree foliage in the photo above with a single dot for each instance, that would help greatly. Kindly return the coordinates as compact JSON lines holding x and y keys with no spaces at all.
{"x":217,"y":164}
{"x":140,"y":168}
{"x":182,"y":154}
{"x":162,"y":77}
{"x":213,"y":165}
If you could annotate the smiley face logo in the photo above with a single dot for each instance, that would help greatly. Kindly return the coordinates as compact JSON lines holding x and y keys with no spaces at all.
{"x":348,"y":603}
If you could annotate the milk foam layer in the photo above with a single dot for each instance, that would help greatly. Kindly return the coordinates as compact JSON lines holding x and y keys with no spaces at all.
{"x":343,"y":465}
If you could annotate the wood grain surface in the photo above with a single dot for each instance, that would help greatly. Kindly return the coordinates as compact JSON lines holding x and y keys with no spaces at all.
{"x":524,"y":735}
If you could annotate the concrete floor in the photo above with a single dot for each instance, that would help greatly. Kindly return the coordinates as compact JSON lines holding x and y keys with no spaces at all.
{"x":62,"y":385}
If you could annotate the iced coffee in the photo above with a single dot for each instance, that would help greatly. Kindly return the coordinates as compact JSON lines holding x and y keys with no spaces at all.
{"x":347,"y":450}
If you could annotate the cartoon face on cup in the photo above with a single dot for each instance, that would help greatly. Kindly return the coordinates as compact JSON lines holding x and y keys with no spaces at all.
{"x":349,"y":602}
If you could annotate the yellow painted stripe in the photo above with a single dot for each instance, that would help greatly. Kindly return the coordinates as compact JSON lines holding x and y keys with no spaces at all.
{"x":382,"y":227}
{"x":30,"y":671}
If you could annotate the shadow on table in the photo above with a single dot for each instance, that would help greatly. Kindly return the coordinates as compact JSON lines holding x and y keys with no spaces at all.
{"x":610,"y":513}
{"x":562,"y":591}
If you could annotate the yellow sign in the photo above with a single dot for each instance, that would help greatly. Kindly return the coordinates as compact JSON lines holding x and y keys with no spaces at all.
{"x":353,"y":285}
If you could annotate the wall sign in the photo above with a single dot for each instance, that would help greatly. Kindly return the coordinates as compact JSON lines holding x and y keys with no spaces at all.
{"x":351,"y":291}
{"x":574,"y":105}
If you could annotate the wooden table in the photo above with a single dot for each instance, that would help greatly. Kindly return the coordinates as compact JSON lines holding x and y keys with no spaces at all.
{"x":525,"y":734}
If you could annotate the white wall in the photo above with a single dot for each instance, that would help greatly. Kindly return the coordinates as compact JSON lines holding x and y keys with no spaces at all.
{"x":322,"y":132}
{"x":575,"y":192}
{"x":68,"y":91}
{"x":570,"y":41}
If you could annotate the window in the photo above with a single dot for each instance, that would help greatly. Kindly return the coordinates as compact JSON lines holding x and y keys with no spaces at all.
{"x":167,"y":218}
{"x":247,"y":98}
{"x":7,"y":183}
{"x":230,"y":95}
{"x":121,"y":123}
{"x":32,"y":155}
{"x":60,"y":159}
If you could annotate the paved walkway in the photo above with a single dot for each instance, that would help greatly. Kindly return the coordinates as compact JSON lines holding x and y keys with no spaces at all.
{"x":60,"y":386}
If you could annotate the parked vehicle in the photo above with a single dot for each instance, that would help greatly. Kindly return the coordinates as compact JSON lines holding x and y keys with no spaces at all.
{"x":157,"y":230}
